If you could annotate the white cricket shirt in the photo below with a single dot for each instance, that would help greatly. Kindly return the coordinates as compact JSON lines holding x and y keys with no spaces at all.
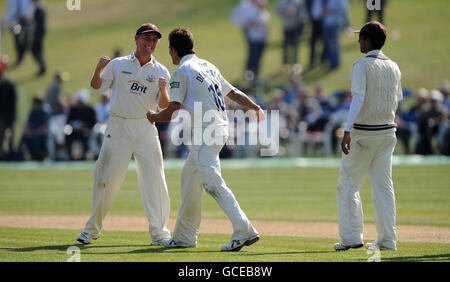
{"x":135,"y":88}
{"x":379,"y":81}
{"x":197,"y":80}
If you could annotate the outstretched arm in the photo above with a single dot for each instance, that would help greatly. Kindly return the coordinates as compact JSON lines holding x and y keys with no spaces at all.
{"x":242,"y":99}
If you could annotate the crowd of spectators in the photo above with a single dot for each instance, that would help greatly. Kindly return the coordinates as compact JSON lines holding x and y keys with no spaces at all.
{"x":310,"y":121}
{"x":324,"y":18}
{"x":56,"y":129}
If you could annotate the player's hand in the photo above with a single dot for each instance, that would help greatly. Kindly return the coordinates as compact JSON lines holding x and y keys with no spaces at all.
{"x":345,"y":144}
{"x":260,"y":114}
{"x":102,"y":62}
{"x":151,"y":116}
{"x":162,"y":83}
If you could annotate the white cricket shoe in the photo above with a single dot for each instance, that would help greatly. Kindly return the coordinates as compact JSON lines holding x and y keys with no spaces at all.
{"x":236,"y":245}
{"x":86,"y":237}
{"x":342,"y":247}
{"x":375,"y":246}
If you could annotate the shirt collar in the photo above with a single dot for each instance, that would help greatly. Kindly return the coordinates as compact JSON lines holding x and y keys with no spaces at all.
{"x":375,"y":53}
{"x":186,"y":57}
{"x":151,"y":62}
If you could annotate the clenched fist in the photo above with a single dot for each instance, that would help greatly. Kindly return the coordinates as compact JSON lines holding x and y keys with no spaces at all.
{"x":162,"y":83}
{"x":103,"y":62}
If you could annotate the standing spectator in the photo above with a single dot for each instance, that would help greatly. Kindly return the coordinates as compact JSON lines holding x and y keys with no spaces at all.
{"x":370,"y":13}
{"x":335,"y":16}
{"x":316,"y":16}
{"x":293,"y":14}
{"x":253,"y":18}
{"x":35,"y":132}
{"x":39,"y":29}
{"x":7,"y":111}
{"x":82,"y":119}
{"x":18,"y":18}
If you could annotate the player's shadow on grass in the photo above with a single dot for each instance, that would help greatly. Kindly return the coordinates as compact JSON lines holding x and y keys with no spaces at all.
{"x":439,"y":257}
{"x":65,"y":247}
{"x":286,"y":253}
{"x":243,"y":253}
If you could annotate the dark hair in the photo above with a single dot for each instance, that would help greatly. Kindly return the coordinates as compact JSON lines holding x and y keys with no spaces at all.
{"x":375,"y":32}
{"x":182,"y":41}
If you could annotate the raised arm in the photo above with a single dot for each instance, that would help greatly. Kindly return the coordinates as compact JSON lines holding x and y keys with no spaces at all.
{"x":164,"y":99}
{"x":96,"y":81}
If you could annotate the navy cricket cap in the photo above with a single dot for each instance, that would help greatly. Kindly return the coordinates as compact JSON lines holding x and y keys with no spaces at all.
{"x":147,"y":28}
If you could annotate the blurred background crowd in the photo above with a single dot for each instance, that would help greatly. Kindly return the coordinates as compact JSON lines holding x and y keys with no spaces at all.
{"x":63,"y":127}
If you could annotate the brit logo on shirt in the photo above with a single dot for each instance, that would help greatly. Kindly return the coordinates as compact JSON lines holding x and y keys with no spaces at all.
{"x":137,"y":87}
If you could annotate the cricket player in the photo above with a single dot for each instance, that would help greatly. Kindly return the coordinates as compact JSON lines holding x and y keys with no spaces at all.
{"x":197,"y":82}
{"x":138,"y":83}
{"x":368,"y":143}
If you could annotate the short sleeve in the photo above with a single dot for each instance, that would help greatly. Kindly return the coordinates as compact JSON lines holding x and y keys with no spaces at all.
{"x":178,"y":86}
{"x":225,"y":85}
{"x":358,"y":79}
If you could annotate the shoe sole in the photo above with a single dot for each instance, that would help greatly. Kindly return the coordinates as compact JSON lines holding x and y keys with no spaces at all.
{"x":246,"y":243}
{"x":83,"y":242}
{"x":350,"y":247}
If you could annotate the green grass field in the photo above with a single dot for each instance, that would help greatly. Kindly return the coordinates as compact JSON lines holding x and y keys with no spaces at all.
{"x":272,"y":194}
{"x":28,"y":245}
{"x":76,"y":39}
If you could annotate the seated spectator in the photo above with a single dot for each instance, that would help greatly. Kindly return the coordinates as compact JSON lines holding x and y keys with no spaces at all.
{"x":56,"y":141}
{"x":293,"y":88}
{"x":80,"y":122}
{"x":404,"y":128}
{"x":338,"y":118}
{"x":35,"y":132}
{"x":325,"y":104}
{"x":429,"y":122}
{"x":102,"y":116}
{"x":445,"y":90}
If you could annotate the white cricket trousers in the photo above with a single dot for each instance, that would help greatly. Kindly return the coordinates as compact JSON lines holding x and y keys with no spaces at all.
{"x":202,"y":171}
{"x":370,"y":155}
{"x":124,"y":137}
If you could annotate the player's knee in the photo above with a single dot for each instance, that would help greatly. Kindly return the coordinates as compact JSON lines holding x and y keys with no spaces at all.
{"x":212,"y":182}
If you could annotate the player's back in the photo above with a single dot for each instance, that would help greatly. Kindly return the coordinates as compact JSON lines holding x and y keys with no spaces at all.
{"x":206,"y":86}
{"x":383,"y":91}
